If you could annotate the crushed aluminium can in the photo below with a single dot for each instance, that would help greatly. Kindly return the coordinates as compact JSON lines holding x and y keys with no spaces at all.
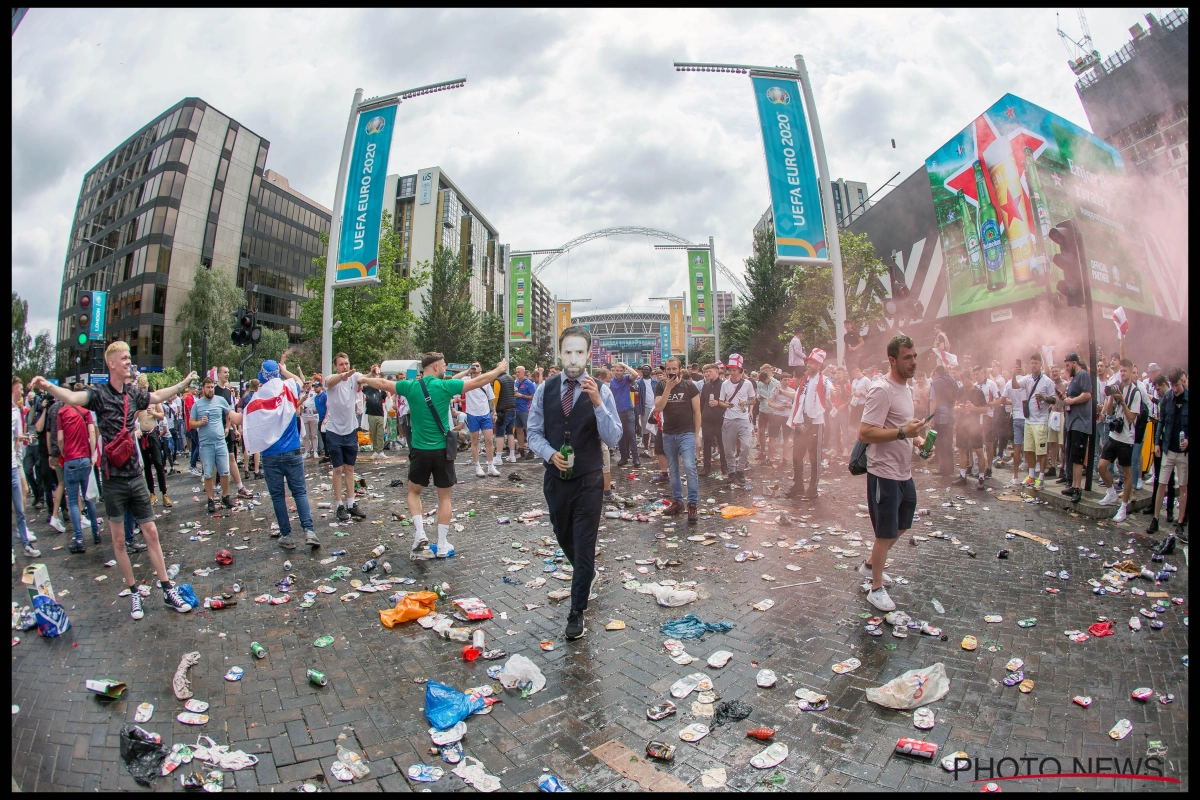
{"x":917,"y":748}
{"x":317,"y":678}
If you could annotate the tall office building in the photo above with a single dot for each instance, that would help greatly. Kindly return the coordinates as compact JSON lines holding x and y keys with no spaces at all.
{"x":172,"y":199}
{"x":430,"y":211}
{"x":724,"y":304}
{"x":1137,"y":98}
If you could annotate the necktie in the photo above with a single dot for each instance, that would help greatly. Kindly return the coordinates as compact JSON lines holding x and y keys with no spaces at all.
{"x":568,"y":397}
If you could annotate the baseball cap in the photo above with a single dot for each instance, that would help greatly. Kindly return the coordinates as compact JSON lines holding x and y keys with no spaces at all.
{"x":1073,"y":357}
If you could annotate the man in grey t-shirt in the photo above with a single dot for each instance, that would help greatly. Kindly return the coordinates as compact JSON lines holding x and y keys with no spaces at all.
{"x":1080,"y":411}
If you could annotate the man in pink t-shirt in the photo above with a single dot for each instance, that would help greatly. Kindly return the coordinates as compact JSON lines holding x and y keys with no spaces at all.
{"x":890,"y":430}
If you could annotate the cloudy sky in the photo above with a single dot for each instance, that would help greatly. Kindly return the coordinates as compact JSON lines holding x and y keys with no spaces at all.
{"x":570,"y":122}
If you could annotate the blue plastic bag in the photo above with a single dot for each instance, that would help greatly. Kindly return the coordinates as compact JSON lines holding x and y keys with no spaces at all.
{"x":188,"y":594}
{"x":445,"y":707}
{"x":692,"y":627}
{"x":51,"y":617}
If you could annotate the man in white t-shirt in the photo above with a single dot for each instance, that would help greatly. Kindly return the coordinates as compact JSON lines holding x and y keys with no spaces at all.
{"x":1122,"y":404}
{"x":480,"y":405}
{"x":737,"y":395}
{"x":991,"y":398}
{"x":1038,"y":397}
{"x":341,"y":434}
{"x":891,"y":429}
{"x":1014,"y":395}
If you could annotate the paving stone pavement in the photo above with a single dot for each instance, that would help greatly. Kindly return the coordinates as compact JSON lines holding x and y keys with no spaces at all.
{"x":598,"y":688}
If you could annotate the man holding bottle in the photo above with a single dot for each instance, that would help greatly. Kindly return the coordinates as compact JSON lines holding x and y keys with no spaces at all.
{"x":571,"y":412}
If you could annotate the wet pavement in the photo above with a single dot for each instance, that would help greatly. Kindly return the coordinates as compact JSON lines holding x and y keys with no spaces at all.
{"x":589,"y":726}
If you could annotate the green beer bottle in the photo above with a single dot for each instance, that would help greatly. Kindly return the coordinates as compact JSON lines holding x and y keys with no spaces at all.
{"x":971,"y":238}
{"x":1041,"y":212}
{"x":567,"y":452}
{"x":995,"y":254}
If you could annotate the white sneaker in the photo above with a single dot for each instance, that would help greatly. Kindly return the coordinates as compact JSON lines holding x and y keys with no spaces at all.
{"x":85,"y":523}
{"x":31,"y":551}
{"x":1110,"y":497}
{"x":479,"y":469}
{"x":879,"y":598}
{"x":498,"y":460}
{"x":495,"y":473}
{"x":30,"y":535}
{"x":1015,"y":482}
{"x":512,"y":458}
{"x":56,"y":523}
{"x":865,"y":571}
{"x":1122,"y":513}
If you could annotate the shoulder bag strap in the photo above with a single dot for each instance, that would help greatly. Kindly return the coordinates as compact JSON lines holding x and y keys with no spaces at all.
{"x":429,"y":402}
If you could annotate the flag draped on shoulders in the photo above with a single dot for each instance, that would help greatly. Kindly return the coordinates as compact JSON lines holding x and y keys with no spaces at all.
{"x":269,"y":414}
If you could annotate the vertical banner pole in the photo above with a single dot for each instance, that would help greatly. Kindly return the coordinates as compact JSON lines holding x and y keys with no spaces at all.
{"x":712,"y":266}
{"x":832,"y":243}
{"x":335,"y":237}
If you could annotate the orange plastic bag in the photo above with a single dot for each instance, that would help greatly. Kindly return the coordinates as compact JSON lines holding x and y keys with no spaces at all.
{"x":729,"y":512}
{"x":411,"y":607}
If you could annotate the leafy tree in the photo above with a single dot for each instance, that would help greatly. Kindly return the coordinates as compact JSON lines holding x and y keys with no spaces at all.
{"x":449,"y":323}
{"x":31,"y":355}
{"x":160,"y":380}
{"x":764,"y":308}
{"x":489,"y":348}
{"x":375,"y":318}
{"x":529,"y":355}
{"x":701,"y":352}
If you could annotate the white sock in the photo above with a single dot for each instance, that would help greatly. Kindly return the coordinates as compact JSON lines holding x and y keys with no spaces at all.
{"x":962,"y":472}
{"x":1031,"y":472}
{"x":350,"y":502}
{"x":442,"y":531}
{"x":241,"y":486}
{"x":341,"y":504}
{"x":419,"y":524}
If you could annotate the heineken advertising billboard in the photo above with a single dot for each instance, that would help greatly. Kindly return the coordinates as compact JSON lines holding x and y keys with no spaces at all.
{"x":700,"y":287}
{"x":520,"y":292}
{"x":1003,"y":182}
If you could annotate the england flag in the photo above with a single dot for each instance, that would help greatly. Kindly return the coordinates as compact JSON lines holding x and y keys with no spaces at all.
{"x":269,"y":414}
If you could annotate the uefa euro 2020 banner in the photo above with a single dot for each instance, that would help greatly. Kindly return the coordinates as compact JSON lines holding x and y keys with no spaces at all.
{"x":520,"y":291}
{"x":700,"y":287}
{"x":362,"y":213}
{"x":1004,"y":181}
{"x":795,"y":202}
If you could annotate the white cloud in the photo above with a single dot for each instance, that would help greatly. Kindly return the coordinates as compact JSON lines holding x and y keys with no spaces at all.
{"x":571,"y":121}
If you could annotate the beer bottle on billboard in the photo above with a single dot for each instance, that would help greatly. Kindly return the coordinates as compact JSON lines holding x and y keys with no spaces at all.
{"x":995,"y":255}
{"x":971,"y":238}
{"x":1041,"y":211}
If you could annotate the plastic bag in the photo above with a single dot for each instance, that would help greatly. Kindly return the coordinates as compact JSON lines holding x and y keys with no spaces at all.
{"x":412,"y":606}
{"x":50,"y":615}
{"x":142,"y":753}
{"x":188,"y":594}
{"x":93,"y":489}
{"x":668,"y":596}
{"x":913,"y":689}
{"x":729,"y":512}
{"x":354,"y":762}
{"x":692,"y":627}
{"x":519,"y":669}
{"x":445,"y":707}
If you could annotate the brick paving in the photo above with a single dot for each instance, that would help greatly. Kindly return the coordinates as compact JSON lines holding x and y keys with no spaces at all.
{"x":598,"y":688}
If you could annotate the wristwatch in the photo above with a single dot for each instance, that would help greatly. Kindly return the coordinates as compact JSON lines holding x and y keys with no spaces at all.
{"x":900,"y":434}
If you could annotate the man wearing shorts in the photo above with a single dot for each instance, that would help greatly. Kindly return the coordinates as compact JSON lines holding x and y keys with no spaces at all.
{"x":506,"y":418}
{"x":427,"y":453}
{"x":210,"y":418}
{"x":1037,"y":394}
{"x":1170,"y":443}
{"x":116,"y":404}
{"x":232,"y":435}
{"x":341,"y":434}
{"x":890,"y":430}
{"x":1122,"y":404}
{"x":480,"y":401}
{"x":523,"y":390}
{"x":1077,"y":425}
{"x":969,"y":435}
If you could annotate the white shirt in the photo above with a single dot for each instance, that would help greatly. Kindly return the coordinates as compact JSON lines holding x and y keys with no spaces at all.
{"x":795,"y":352}
{"x":340,"y":417}
{"x":477,"y":400}
{"x":809,"y":404}
{"x":17,"y":430}
{"x":863,"y":385}
{"x":1039,"y":412}
{"x":741,"y":399}
{"x":1016,"y":396}
{"x":308,"y":405}
{"x":990,"y":392}
{"x":401,"y":406}
{"x":1134,"y":398}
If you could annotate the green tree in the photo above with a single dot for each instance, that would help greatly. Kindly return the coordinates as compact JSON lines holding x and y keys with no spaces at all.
{"x":811,"y":291}
{"x":489,"y":348}
{"x":764,"y":308}
{"x":375,"y":318}
{"x":701,"y":352}
{"x":160,"y":380}
{"x":31,"y":355}
{"x":449,"y":323}
{"x":529,"y":355}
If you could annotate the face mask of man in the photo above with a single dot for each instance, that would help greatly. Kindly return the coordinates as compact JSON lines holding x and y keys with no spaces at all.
{"x":574,"y":351}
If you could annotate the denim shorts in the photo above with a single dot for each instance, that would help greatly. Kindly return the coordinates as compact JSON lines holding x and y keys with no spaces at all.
{"x":214,"y":457}
{"x":506,"y":422}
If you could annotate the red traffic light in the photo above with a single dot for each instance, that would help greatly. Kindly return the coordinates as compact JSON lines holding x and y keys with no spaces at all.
{"x":85,"y":300}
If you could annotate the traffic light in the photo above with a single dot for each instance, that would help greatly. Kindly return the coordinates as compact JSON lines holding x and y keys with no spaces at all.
{"x":246,"y":330}
{"x":83,"y":321}
{"x":901,"y":304}
{"x":1071,"y":260}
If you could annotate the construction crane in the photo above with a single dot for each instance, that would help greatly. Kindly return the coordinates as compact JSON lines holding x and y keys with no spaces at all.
{"x":1083,"y":54}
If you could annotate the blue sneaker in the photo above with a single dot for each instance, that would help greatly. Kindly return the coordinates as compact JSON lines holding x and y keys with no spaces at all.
{"x":433,"y":548}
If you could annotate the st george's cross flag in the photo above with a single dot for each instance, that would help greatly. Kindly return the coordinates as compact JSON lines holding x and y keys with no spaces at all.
{"x":269,"y":414}
{"x":1121,"y":321}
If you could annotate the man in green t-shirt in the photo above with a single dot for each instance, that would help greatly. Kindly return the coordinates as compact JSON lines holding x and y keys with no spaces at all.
{"x":428,"y":456}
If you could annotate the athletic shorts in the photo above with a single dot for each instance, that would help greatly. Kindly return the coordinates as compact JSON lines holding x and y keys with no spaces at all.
{"x":1036,"y":438}
{"x":231,"y":444}
{"x":480,"y":423}
{"x":658,"y":444}
{"x":1117,"y":451}
{"x":1018,"y":434}
{"x":522,"y":421}
{"x":1173,"y":462}
{"x":121,"y":494}
{"x":891,"y":504}
{"x":506,"y":422}
{"x":423,"y":464}
{"x":969,"y":437}
{"x":214,"y":459}
{"x":775,"y":426}
{"x":605,"y":458}
{"x":1077,"y":443}
{"x":342,"y":449}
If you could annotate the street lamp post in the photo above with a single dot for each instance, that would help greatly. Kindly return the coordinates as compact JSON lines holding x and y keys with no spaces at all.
{"x":510,"y":254}
{"x":339,"y":198}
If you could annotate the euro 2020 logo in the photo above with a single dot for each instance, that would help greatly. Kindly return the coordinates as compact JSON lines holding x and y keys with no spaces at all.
{"x":375,"y":125}
{"x":778,"y":96}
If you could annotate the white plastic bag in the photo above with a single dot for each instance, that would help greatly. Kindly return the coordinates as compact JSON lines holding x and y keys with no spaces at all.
{"x":518,"y":669}
{"x":669,"y":596}
{"x":913,"y":689}
{"x":93,"y":489}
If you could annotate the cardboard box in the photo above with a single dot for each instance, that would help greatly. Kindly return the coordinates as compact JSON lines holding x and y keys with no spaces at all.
{"x":106,"y":687}
{"x":37,"y":577}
